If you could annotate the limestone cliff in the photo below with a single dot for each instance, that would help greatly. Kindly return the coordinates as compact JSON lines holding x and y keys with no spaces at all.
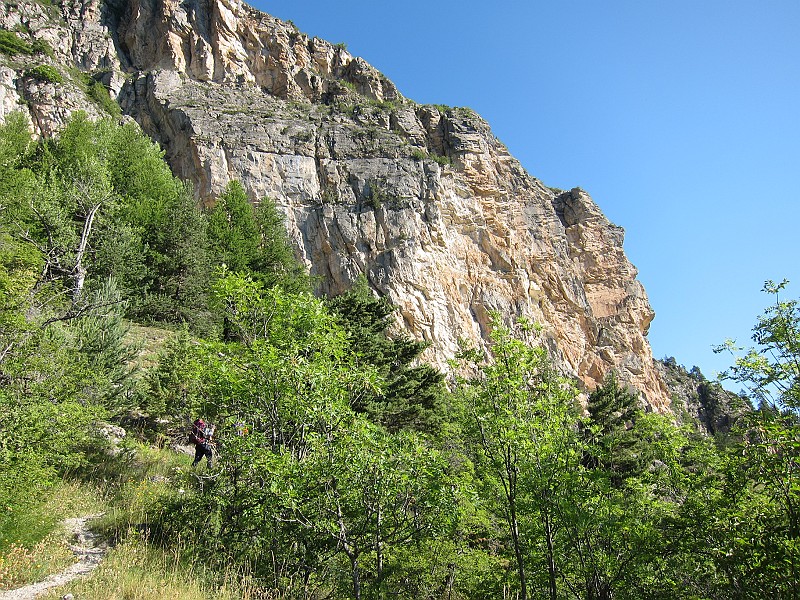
{"x":424,"y":200}
{"x":703,"y":403}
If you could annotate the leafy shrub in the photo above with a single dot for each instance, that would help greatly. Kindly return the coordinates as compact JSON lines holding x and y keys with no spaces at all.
{"x":95,"y":91}
{"x":11,"y":44}
{"x":42,"y":47}
{"x":419,"y":154}
{"x":384,"y":105}
{"x":45,"y":73}
{"x":375,"y":195}
{"x":99,"y":93}
{"x":330,"y":196}
{"x":441,"y":160}
{"x":466,"y":112}
{"x":304,"y":136}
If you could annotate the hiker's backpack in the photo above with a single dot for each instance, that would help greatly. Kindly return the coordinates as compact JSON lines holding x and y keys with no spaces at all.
{"x":197,"y":434}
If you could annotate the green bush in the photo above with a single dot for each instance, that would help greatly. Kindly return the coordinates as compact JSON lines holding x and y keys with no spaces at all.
{"x":11,"y":44}
{"x":384,"y":105}
{"x":99,"y":93}
{"x":441,"y":160}
{"x":95,"y":91}
{"x":42,"y":47}
{"x":45,"y":73}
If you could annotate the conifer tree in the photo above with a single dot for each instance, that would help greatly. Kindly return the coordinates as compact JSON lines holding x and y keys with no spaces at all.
{"x":253,"y":240}
{"x":612,"y":413}
{"x":232,"y":229}
{"x":274,"y":262}
{"x":413,"y":392}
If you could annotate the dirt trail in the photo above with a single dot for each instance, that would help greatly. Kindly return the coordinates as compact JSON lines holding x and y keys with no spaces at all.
{"x":86,"y":549}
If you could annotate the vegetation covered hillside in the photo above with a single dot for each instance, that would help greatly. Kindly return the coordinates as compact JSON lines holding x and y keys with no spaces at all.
{"x":344,"y":466}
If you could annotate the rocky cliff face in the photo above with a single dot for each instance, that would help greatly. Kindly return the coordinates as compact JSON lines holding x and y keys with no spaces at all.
{"x":424,"y":200}
{"x":705,"y":404}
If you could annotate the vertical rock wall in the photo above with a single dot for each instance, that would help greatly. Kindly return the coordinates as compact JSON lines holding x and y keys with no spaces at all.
{"x":424,"y":200}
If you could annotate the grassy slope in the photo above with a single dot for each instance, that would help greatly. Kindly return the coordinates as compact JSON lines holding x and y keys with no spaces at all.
{"x":124,"y":488}
{"x":133,"y":569}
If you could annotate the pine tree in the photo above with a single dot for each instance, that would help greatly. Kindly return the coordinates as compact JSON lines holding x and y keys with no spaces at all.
{"x":612,"y":413}
{"x":232,"y":229}
{"x":274,"y":262}
{"x":413,"y":391}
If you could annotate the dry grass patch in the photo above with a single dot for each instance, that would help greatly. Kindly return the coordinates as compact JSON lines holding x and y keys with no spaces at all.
{"x":24,"y":563}
{"x":135,"y":571}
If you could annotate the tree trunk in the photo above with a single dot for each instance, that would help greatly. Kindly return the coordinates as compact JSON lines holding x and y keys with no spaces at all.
{"x":378,"y":551}
{"x":551,"y":565}
{"x":523,"y":584}
{"x":350,"y":550}
{"x":80,"y":269}
{"x":451,"y":578}
{"x":356,"y":578}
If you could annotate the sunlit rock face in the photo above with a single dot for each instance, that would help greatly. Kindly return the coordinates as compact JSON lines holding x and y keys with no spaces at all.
{"x":71,"y":40}
{"x":423,"y":200}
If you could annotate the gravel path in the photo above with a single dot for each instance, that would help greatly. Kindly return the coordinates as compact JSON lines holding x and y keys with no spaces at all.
{"x":86,"y":549}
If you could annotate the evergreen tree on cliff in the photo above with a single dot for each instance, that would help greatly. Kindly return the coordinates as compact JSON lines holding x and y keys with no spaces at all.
{"x":413,"y":391}
{"x":253,"y":240}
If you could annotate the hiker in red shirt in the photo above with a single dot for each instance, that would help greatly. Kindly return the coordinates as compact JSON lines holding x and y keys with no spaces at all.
{"x":201,"y":436}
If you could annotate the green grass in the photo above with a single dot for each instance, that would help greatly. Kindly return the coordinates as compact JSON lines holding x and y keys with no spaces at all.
{"x":95,"y":91}
{"x":45,"y":73}
{"x":11,"y":44}
{"x":384,"y":105}
{"x":134,"y":488}
{"x":42,"y":47}
{"x":150,"y":476}
{"x":99,"y":94}
{"x":21,"y":564}
{"x":137,"y":570}
{"x":150,"y":340}
{"x":38,"y":545}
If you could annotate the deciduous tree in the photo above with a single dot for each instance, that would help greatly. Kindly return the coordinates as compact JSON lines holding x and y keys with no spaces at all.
{"x":524,"y":430}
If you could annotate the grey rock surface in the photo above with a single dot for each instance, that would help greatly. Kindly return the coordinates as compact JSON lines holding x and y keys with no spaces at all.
{"x":423,"y":200}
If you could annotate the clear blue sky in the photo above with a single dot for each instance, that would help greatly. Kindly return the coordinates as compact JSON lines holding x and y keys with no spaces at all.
{"x":681,"y":119}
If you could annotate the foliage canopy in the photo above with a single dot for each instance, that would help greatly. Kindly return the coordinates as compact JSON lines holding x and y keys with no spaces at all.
{"x":345,"y":467}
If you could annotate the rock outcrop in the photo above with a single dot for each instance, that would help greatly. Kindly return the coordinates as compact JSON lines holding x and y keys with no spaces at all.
{"x":703,"y":403}
{"x":424,"y":200}
{"x":73,"y":42}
